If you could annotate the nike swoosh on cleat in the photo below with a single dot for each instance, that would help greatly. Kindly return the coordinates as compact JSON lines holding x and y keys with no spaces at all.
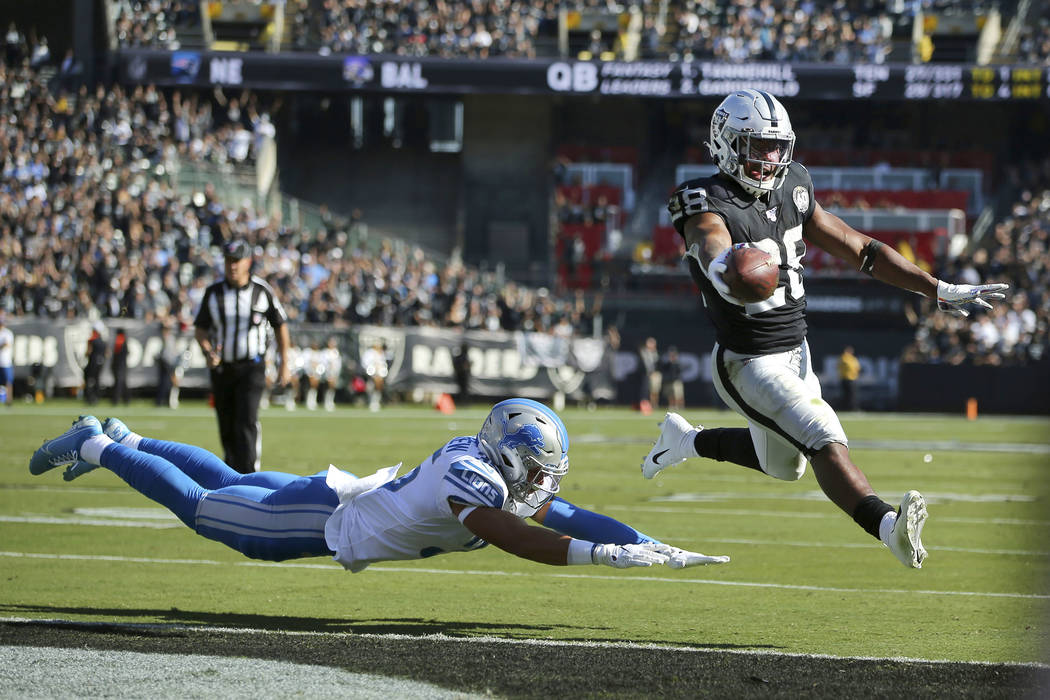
{"x":658,"y":455}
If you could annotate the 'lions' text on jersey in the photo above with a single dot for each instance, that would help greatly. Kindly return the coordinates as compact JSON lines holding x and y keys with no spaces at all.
{"x":410,"y":517}
{"x":774,"y":224}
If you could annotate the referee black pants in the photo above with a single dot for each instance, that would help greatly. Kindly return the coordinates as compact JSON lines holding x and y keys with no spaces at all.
{"x":238,"y":388}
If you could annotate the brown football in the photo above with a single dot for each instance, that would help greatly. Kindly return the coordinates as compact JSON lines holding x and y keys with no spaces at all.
{"x":752,"y":274}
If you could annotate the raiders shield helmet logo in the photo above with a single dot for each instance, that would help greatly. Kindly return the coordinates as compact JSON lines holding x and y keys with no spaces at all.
{"x":801,"y":199}
{"x":771,"y":214}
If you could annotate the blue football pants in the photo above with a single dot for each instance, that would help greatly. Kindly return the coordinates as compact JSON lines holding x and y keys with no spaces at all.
{"x":264,"y":515}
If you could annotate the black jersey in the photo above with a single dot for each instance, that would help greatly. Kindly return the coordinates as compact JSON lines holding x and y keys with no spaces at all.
{"x":235,"y":318}
{"x":774,"y":224}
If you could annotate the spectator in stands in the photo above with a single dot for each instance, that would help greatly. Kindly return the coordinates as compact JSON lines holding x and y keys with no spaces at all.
{"x":15,"y":44}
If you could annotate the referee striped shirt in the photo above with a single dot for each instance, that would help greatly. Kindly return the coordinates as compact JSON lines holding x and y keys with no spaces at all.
{"x":236,"y":318}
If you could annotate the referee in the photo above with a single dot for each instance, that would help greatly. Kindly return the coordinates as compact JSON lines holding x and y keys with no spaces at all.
{"x":231,"y":330}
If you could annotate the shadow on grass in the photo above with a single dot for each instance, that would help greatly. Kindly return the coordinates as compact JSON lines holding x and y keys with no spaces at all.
{"x":489,"y":665}
{"x":164,"y":622}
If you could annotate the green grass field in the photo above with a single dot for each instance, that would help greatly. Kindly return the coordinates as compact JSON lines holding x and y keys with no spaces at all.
{"x":804,"y":579}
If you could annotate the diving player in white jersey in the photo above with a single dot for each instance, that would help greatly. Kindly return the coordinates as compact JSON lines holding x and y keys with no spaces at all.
{"x":472,"y":491}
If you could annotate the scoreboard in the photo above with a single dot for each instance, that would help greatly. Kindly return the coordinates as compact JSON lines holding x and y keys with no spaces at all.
{"x":932,"y":81}
{"x":643,"y":79}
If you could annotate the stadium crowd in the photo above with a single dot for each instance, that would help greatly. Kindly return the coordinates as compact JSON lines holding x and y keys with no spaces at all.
{"x":446,"y":29}
{"x":153,"y":23}
{"x":741,"y":30}
{"x":1034,"y":45}
{"x":734,"y":31}
{"x":1013,"y":333}
{"x":777,"y":30}
{"x":90,"y":225}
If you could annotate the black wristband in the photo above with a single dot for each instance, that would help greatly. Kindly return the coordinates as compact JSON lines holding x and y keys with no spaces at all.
{"x":867,"y":257}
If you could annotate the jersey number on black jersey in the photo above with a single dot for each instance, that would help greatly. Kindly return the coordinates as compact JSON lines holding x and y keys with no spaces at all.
{"x":784,"y":255}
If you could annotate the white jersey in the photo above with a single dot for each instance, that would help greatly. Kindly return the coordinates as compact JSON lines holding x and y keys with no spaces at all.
{"x":332,"y":361}
{"x":410,"y":517}
{"x":7,"y":341}
{"x":312,"y":362}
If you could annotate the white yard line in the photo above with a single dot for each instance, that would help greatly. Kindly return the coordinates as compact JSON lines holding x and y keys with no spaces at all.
{"x":747,"y":513}
{"x":387,"y":568}
{"x":935,"y":497}
{"x":91,"y":522}
{"x":159,"y":519}
{"x":863,"y":545}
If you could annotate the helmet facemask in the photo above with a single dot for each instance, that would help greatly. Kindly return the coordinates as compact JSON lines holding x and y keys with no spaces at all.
{"x":761,"y":161}
{"x":528,"y":443}
{"x":540,"y":481}
{"x":752,"y":141}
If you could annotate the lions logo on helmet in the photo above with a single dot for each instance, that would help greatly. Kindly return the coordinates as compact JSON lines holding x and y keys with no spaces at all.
{"x":752,"y":141}
{"x":529,"y":445}
{"x":525,"y":436}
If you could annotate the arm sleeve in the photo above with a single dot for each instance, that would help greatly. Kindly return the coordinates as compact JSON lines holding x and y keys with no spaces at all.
{"x":565,"y":518}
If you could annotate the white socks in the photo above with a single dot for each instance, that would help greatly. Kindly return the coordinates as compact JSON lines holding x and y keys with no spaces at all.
{"x":886,"y":526}
{"x":131,"y":440}
{"x":687,"y":446}
{"x":91,"y":450}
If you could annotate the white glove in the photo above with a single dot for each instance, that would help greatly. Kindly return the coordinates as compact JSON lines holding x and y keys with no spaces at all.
{"x":681,"y":558}
{"x":952,"y":297}
{"x":623,"y":556}
{"x":717,"y":268}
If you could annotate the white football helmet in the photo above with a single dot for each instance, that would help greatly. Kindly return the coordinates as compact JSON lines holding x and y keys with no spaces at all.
{"x":529,"y":445}
{"x":752,"y":141}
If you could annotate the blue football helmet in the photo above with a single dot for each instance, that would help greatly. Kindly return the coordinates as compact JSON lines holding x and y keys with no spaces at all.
{"x":529,"y":445}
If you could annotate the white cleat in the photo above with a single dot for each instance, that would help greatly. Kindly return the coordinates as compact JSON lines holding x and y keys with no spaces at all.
{"x":668,"y":450}
{"x":905,"y":539}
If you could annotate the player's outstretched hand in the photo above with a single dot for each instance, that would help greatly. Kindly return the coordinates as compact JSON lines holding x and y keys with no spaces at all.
{"x":717,"y":269}
{"x":952,"y":297}
{"x":682,"y":558}
{"x":623,"y":556}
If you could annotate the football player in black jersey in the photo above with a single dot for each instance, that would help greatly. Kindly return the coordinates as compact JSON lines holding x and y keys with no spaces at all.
{"x":761,"y":362}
